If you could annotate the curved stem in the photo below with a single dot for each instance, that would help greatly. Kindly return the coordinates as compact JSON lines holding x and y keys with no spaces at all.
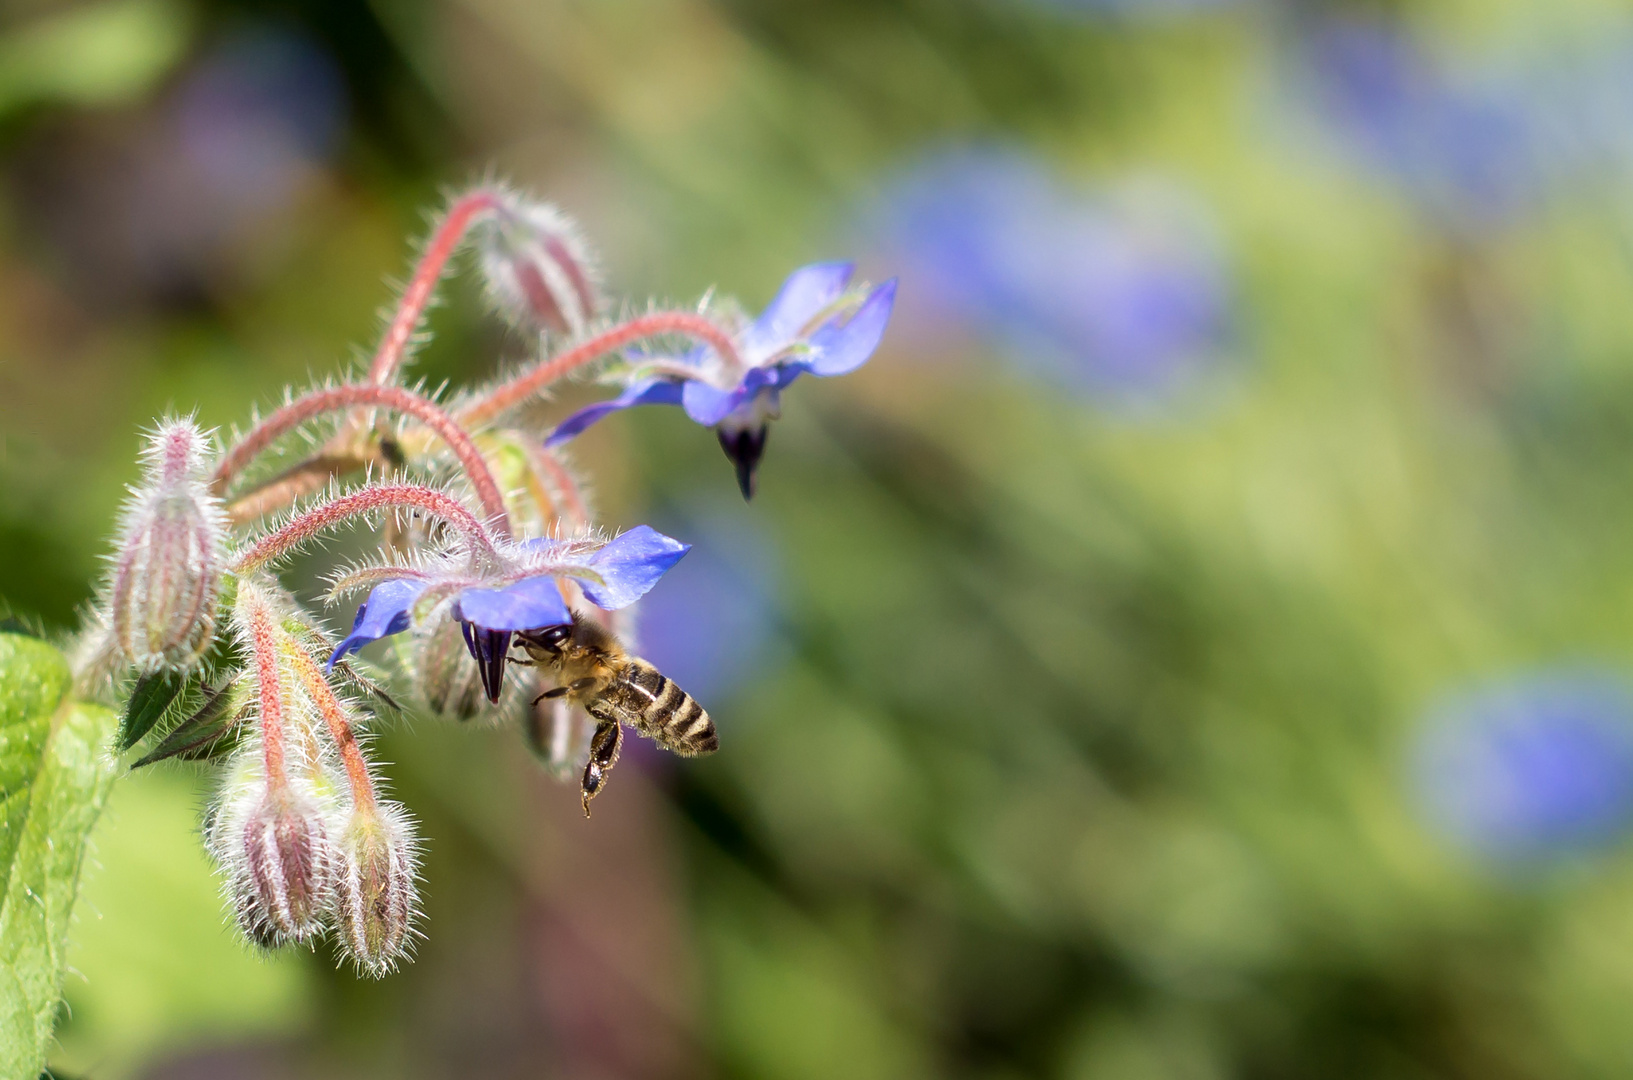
{"x":510,"y":394}
{"x":369,"y":500}
{"x":340,"y":728}
{"x":411,"y":308}
{"x":390,"y":397}
{"x":307,"y":478}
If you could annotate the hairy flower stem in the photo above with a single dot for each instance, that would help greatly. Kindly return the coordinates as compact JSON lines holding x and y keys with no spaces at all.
{"x":340,"y":456}
{"x":263,"y":644}
{"x":307,"y":478}
{"x":508,"y":395}
{"x":367,"y":501}
{"x":411,"y":308}
{"x":340,"y":728}
{"x":390,"y":397}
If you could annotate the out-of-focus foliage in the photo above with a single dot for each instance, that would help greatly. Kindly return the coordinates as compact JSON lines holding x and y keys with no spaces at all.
{"x":1272,"y":728}
{"x":55,"y":775}
{"x":94,"y":54}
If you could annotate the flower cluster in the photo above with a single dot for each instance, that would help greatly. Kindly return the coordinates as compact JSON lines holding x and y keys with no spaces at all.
{"x":487,"y":542}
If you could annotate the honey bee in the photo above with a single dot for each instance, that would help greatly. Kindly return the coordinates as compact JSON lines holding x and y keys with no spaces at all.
{"x":593,"y":670}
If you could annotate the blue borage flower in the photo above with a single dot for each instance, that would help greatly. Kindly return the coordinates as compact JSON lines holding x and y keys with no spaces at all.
{"x":1531,"y":766}
{"x":519,"y":589}
{"x":818,"y":323}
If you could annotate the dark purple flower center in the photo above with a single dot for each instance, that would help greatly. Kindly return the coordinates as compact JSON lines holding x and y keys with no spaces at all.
{"x":744,"y":446}
{"x":489,"y":648}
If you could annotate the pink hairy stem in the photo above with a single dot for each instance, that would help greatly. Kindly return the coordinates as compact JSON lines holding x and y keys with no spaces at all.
{"x":369,"y":500}
{"x":310,"y":476}
{"x":510,"y":394}
{"x":263,"y":643}
{"x":340,"y":728}
{"x":390,"y":397}
{"x":411,"y":308}
{"x":307,"y":478}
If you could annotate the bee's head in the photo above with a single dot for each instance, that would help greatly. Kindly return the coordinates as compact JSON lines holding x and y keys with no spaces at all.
{"x":548,"y":639}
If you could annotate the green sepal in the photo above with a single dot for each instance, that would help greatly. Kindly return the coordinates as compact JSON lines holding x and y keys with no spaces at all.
{"x":150,"y":698}
{"x":375,"y":695}
{"x":158,"y":698}
{"x":211,"y":730}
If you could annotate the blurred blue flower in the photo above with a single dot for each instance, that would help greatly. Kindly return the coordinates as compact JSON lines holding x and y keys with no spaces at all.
{"x":1473,"y":140}
{"x":1531,"y":767}
{"x":256,"y":113}
{"x":240,"y":138}
{"x":1122,"y":293}
{"x":1464,"y":147}
{"x":522,"y":594}
{"x":819,"y":322}
{"x":714,"y":622}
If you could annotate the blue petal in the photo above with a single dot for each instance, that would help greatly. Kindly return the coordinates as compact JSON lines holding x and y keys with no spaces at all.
{"x":631,"y":565}
{"x":645,"y":392}
{"x":384,"y":613}
{"x":786,"y":372}
{"x":527,"y":605}
{"x":708,"y":406}
{"x":806,"y":292}
{"x":844,"y":348}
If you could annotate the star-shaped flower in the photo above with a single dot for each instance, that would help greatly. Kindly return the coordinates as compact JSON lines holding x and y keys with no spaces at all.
{"x":518,"y":589}
{"x":818,"y":323}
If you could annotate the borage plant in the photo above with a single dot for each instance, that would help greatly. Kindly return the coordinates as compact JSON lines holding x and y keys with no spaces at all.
{"x":493,"y":579}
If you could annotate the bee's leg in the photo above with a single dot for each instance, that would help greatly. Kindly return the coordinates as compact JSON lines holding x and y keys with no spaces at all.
{"x":577,"y":686}
{"x":604,"y":747}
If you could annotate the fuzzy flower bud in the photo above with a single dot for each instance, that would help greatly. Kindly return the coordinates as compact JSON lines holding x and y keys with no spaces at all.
{"x":538,"y":269}
{"x":291,"y":868}
{"x":375,"y":898}
{"x":276,"y":852}
{"x":170,"y":555}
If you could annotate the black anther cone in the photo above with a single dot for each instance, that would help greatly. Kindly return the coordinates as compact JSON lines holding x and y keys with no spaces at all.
{"x":490,"y":649}
{"x":744,"y":447}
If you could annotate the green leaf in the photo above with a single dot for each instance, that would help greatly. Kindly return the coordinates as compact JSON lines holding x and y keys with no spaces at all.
{"x":149,"y":699}
{"x":55,"y":771}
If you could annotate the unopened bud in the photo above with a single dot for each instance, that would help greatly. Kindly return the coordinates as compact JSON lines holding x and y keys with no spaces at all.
{"x":168,"y":566}
{"x":291,"y":866}
{"x":375,"y":898}
{"x":276,"y":851}
{"x":538,"y":269}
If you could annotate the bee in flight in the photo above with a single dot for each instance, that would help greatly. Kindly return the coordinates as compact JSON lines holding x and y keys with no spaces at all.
{"x":593,"y":670}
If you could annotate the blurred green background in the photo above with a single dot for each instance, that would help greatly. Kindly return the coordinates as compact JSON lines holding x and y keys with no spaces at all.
{"x":1194,"y":647}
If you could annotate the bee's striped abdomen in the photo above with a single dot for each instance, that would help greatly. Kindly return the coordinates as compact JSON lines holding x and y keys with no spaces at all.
{"x":650,"y":702}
